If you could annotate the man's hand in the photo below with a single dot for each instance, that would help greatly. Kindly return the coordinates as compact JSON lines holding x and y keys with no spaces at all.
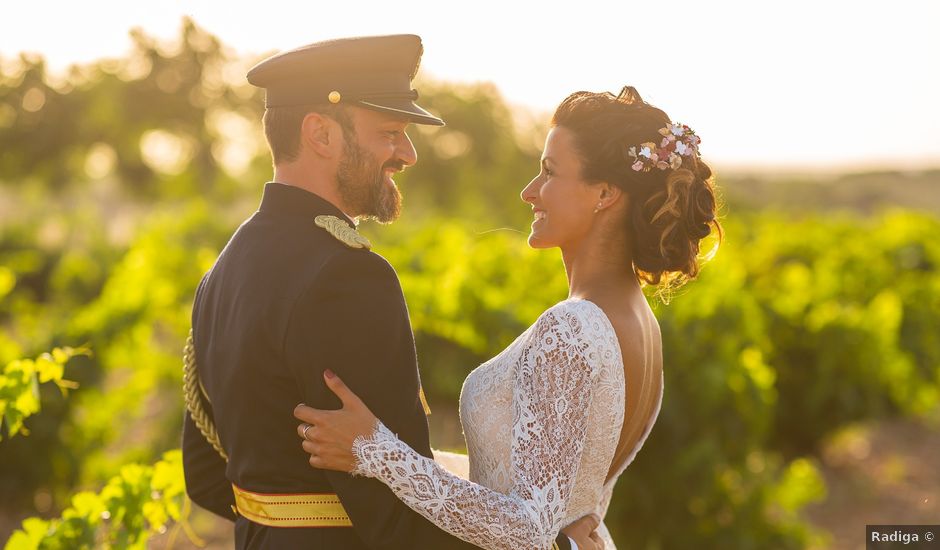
{"x":583,"y":533}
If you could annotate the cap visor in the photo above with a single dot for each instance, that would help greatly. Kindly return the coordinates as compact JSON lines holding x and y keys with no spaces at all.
{"x":404,"y":108}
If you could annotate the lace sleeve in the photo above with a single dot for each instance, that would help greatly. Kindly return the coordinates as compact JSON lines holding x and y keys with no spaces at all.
{"x":552,"y":394}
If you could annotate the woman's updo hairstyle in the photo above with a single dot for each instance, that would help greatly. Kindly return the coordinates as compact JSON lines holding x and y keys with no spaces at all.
{"x":671,"y":210}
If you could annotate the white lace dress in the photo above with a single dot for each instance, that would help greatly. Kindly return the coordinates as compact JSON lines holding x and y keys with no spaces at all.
{"x":542,"y":420}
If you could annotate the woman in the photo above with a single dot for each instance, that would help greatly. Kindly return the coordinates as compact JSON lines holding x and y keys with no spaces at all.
{"x":625,"y":195}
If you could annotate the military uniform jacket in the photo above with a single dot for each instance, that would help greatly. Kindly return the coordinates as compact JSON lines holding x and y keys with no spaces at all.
{"x":284,"y":301}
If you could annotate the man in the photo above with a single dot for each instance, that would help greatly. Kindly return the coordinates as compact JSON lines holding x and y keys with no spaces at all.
{"x":296,"y":291}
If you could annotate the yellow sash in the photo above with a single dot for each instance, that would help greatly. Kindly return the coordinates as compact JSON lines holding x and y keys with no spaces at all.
{"x":291,"y":510}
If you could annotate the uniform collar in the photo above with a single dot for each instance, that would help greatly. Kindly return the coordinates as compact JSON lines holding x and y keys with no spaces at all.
{"x":280,"y":198}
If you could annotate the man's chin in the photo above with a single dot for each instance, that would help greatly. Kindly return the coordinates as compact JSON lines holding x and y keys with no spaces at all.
{"x":386,"y":215}
{"x":392,"y":206}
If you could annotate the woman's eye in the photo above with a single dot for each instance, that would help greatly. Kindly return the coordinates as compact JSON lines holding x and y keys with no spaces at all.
{"x":549,"y":173}
{"x":393,"y":133}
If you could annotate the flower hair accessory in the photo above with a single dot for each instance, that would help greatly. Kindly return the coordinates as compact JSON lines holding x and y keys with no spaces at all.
{"x":678,"y":141}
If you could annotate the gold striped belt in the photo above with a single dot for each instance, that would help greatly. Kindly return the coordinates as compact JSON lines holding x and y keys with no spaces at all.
{"x":291,"y":510}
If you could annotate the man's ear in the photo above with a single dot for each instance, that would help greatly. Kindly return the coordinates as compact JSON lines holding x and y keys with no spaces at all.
{"x":322,"y":135}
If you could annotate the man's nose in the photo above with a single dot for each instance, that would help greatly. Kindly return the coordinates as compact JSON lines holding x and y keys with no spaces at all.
{"x":406,"y":151}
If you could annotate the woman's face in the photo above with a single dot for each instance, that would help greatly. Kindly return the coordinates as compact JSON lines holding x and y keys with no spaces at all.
{"x":562,"y":203}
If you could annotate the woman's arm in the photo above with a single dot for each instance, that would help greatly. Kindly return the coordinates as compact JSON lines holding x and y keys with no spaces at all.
{"x":551,"y":397}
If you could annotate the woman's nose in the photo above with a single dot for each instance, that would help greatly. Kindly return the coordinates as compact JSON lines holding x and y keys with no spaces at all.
{"x":530,"y":191}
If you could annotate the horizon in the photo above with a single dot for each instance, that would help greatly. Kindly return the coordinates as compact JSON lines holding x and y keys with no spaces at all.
{"x":862,"y":69}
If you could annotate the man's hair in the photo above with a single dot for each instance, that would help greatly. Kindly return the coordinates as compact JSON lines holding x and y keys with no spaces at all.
{"x":282,"y":127}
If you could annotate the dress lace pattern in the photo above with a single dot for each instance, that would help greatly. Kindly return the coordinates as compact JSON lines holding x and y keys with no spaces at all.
{"x":542,"y":421}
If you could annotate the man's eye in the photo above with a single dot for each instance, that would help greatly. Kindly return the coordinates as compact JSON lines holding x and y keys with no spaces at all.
{"x":549,"y":172}
{"x":393,"y":133}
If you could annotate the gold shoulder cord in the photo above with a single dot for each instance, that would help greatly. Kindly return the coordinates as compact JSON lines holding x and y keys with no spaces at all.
{"x":192,"y":388}
{"x":273,"y":510}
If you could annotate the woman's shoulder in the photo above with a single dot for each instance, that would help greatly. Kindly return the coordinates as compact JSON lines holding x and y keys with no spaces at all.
{"x":582,"y":324}
{"x":583,"y":316}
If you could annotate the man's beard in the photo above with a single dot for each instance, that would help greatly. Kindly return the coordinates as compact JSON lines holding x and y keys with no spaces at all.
{"x":362,"y":184}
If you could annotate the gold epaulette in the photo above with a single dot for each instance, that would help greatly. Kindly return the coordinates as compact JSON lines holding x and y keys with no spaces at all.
{"x":342,"y":232}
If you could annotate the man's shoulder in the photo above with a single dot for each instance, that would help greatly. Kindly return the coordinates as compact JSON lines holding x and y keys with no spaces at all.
{"x":352,"y":284}
{"x":347,"y":248}
{"x":312,"y":243}
{"x":357,"y":267}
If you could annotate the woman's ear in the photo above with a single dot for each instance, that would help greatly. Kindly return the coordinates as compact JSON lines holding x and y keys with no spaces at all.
{"x":321,"y":134}
{"x":609,"y":194}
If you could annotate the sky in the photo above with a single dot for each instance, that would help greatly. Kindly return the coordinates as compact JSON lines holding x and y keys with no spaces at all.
{"x":796,"y":85}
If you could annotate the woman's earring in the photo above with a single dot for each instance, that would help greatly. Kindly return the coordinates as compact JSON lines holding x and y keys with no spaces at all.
{"x":599,"y":205}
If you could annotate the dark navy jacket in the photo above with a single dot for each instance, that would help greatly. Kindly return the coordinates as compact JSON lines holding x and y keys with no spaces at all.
{"x":284,"y":301}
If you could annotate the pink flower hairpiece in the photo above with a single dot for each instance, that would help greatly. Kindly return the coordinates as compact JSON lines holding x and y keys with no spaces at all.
{"x":678,"y":141}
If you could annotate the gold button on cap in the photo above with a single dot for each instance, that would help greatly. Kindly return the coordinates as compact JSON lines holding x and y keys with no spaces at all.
{"x":335,"y":97}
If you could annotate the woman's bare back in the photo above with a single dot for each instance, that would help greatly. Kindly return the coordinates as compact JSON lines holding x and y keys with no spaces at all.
{"x":641,"y":348}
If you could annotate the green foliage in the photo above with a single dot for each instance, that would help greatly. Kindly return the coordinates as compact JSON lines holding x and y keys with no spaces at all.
{"x":801,"y":324}
{"x":138,"y":502}
{"x":463,"y":293}
{"x":137,"y":325}
{"x":107,"y":112}
{"x":135,"y":320}
{"x":19,"y":386}
{"x":795,"y":328}
{"x":475,"y":167}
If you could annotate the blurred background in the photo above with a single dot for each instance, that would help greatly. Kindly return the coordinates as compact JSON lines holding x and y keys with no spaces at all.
{"x":802,"y":396}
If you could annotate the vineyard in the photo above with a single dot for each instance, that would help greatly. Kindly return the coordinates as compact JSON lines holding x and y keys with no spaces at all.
{"x":118,"y":191}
